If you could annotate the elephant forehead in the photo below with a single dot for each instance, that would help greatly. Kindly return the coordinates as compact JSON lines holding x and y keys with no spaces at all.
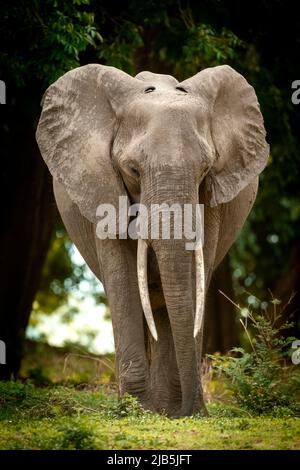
{"x":159,"y":106}
{"x":158,"y":80}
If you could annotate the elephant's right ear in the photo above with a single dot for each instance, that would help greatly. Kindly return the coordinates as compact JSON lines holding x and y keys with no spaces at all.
{"x":237,"y":131}
{"x":76,"y":130}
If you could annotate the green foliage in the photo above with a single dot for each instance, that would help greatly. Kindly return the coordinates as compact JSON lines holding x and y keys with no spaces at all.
{"x":127,"y":406}
{"x":44,"y":365}
{"x":263,"y":380}
{"x":74,"y":436}
{"x":119,"y":49}
{"x":66,"y":418}
{"x":56,"y":33}
{"x":24,"y":400}
{"x":91,"y":416}
{"x":38,"y":376}
{"x":68,"y":32}
{"x":205,"y":47}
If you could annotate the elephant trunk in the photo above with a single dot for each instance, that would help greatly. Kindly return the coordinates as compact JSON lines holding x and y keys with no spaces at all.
{"x":179,"y":269}
{"x":176,"y":272}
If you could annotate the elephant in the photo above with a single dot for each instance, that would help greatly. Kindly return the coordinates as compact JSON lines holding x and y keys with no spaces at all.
{"x":104,"y":135}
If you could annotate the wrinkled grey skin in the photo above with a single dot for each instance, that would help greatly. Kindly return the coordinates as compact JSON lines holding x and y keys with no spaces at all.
{"x":102,"y":136}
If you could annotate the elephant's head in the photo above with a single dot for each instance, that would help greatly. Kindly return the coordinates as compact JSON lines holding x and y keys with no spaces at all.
{"x":104,"y":134}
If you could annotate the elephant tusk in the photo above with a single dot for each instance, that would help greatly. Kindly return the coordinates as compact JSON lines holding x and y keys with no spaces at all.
{"x":200,"y":290}
{"x":143,"y":286}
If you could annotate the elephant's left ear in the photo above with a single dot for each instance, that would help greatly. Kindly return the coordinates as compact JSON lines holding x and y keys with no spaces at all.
{"x":237,"y":131}
{"x":76,"y":131}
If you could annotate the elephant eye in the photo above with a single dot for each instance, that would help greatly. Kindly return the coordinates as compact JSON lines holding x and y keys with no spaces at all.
{"x":181,"y":89}
{"x":135,"y":172}
{"x":149,"y":89}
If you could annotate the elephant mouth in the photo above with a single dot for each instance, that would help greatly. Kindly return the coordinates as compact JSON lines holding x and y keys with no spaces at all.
{"x":142,"y":273}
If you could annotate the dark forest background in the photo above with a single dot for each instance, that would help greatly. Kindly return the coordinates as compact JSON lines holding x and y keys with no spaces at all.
{"x":42,"y":39}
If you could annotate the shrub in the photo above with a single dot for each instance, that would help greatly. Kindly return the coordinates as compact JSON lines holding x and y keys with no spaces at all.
{"x":263,"y":380}
{"x":126,"y":406}
{"x":75,"y":436}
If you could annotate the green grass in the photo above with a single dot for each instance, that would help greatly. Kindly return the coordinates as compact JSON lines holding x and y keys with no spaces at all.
{"x":66,"y":399}
{"x":59,"y":417}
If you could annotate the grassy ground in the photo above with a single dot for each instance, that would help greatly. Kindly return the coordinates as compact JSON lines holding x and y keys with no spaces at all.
{"x":78,"y":414}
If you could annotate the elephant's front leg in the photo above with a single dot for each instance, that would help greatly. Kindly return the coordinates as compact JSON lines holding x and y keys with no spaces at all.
{"x":165,"y":380}
{"x":117,"y":259}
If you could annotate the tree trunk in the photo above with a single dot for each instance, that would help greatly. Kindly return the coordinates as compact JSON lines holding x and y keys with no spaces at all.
{"x":27,"y":219}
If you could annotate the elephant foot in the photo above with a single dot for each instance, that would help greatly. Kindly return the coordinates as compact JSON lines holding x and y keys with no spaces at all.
{"x":177,"y":413}
{"x":143,"y":397}
{"x":147,"y":406}
{"x":203,"y":412}
{"x":199,"y":407}
{"x":174,"y":411}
